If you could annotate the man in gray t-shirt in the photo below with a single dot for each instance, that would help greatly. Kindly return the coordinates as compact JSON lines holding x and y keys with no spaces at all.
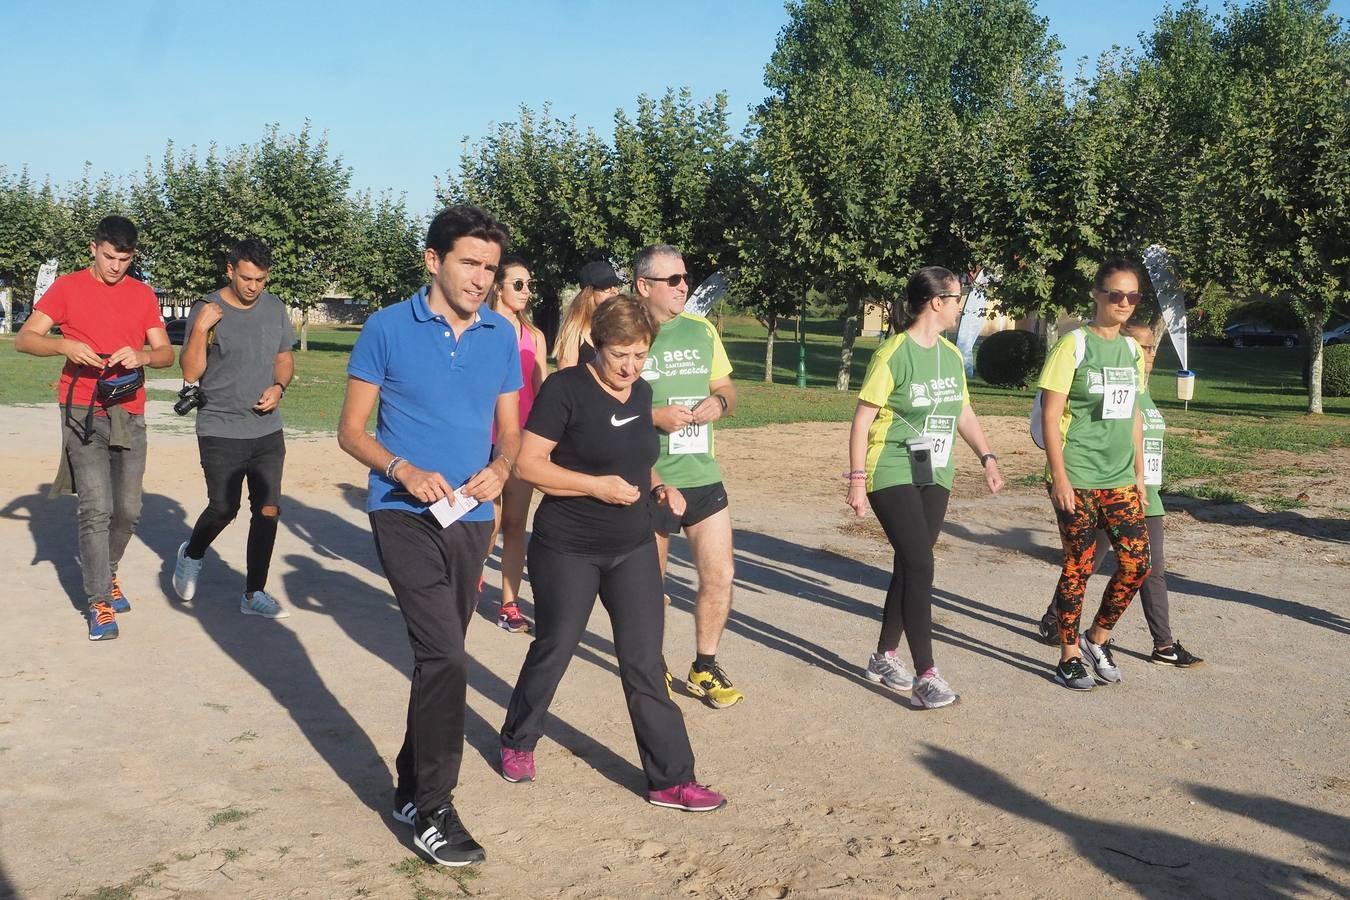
{"x":238,"y":348}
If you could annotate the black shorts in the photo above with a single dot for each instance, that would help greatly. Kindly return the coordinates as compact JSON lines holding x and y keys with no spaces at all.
{"x":699,"y":503}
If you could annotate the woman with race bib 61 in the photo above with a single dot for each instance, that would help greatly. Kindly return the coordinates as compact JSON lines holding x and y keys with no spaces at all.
{"x":1093,"y":438}
{"x":913,"y":404}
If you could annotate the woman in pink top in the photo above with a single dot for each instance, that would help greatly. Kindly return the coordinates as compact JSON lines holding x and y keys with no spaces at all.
{"x":511,"y":298}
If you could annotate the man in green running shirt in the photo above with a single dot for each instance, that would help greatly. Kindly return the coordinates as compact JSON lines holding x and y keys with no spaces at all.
{"x":690,"y":377}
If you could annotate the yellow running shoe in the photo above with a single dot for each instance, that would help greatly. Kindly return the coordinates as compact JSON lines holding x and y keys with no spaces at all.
{"x":670,"y":685}
{"x":714,"y":686}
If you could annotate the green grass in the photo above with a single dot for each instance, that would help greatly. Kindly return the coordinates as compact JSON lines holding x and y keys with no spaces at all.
{"x":228,"y":816}
{"x":1246,"y":401}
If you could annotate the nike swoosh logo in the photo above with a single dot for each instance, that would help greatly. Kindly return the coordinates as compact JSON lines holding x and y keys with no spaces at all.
{"x":616,"y":421}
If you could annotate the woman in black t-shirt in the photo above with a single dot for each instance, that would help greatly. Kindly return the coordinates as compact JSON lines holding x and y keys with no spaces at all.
{"x":589,"y":446}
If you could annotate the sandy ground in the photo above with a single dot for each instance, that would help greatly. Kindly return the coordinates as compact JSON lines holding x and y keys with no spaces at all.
{"x":204,"y":754}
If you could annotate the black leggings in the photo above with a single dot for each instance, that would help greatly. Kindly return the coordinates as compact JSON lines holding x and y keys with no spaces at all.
{"x":912,"y":519}
{"x":629,"y":585}
{"x":228,"y":463}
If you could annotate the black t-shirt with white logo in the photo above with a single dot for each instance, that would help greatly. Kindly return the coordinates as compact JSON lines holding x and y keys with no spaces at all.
{"x":595,"y":435}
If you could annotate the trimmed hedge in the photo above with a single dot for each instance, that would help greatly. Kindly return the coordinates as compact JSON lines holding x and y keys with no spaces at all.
{"x":1335,"y":371}
{"x":1010,"y":358}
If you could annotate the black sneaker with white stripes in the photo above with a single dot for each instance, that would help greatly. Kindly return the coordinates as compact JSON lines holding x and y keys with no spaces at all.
{"x":1175,"y":655}
{"x":442,"y":837}
{"x":404,"y":812}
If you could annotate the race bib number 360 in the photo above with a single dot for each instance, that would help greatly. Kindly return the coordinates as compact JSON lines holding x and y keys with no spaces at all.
{"x":1118,"y":396}
{"x":691,"y":438}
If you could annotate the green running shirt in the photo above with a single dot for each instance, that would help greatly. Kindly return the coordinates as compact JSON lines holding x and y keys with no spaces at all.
{"x":685,"y":358}
{"x":917,"y":390}
{"x":1097,"y":427}
{"x":1153,"y":453}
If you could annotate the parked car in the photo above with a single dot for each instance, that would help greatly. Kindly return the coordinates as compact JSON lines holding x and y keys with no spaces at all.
{"x":177,"y":329}
{"x":1250,"y":334}
{"x":1338,"y":335}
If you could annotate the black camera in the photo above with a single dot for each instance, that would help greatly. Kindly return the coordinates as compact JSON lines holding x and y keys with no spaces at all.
{"x":190,"y":397}
{"x":920,"y":450}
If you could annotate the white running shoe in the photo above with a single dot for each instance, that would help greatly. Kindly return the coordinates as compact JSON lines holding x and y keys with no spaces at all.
{"x":1099,"y":660}
{"x":185,"y":572}
{"x":261,"y":603}
{"x":886,"y":668}
{"x":932,"y":692}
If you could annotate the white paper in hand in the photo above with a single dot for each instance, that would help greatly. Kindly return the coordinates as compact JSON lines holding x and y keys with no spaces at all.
{"x":448,"y":512}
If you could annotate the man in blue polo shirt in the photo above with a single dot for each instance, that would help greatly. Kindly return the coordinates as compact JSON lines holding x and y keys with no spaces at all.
{"x":444,"y":368}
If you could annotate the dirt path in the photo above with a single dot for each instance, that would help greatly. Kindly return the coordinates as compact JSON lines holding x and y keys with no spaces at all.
{"x":207,"y":755}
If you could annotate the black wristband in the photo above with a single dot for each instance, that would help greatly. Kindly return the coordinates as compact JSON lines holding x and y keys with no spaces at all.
{"x":280,"y":385}
{"x":722,"y":400}
{"x":984,"y":459}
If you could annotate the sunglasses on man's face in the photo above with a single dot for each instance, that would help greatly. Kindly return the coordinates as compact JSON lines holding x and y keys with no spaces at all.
{"x":520,"y":284}
{"x":673,"y":280}
{"x":1133,"y":297}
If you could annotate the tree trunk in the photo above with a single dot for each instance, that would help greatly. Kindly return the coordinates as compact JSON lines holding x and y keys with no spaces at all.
{"x":1051,"y":329}
{"x":1315,"y":370}
{"x":851,"y":312}
{"x":304,"y":329}
{"x":772,"y":325}
{"x":548,"y":315}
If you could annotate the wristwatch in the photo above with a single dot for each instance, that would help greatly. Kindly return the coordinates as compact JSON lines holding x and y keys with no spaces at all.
{"x":984,"y":460}
{"x":282,"y":386}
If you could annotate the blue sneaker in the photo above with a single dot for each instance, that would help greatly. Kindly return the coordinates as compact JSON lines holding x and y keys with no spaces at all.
{"x":102,"y":621}
{"x":119,"y":601}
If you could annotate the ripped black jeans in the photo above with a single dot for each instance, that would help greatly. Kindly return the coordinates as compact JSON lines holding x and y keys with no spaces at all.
{"x":228,"y":463}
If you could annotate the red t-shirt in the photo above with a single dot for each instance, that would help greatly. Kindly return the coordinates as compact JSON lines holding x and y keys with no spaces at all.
{"x":107,"y":318}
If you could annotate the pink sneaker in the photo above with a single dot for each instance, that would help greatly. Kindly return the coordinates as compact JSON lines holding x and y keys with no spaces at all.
{"x":690,"y":797}
{"x":517,"y":765}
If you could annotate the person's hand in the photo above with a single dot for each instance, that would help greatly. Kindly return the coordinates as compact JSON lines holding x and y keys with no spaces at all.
{"x":673,"y":499}
{"x":269,"y":399}
{"x":709,"y":409}
{"x":129,"y":359}
{"x":672,"y":418}
{"x":1143,"y":490}
{"x":81,"y":354}
{"x":427,"y":487}
{"x":208,"y":318}
{"x":486,"y":486}
{"x":1061,"y":495}
{"x":857,"y":497}
{"x":613,"y":489}
{"x":993,"y":478}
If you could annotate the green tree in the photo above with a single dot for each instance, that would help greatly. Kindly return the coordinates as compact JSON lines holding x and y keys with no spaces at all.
{"x":295,"y":198}
{"x":381,"y":260}
{"x":30,"y":218}
{"x":1269,"y":207}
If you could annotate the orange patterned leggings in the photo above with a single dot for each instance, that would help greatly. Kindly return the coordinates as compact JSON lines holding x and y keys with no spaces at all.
{"x":1118,"y":512}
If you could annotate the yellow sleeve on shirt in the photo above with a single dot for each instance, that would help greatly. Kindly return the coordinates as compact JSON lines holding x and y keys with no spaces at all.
{"x":1057,"y":375}
{"x":721,"y":365}
{"x":879,"y":382}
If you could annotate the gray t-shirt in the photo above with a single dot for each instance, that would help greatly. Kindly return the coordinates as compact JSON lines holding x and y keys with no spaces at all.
{"x":239,"y":360}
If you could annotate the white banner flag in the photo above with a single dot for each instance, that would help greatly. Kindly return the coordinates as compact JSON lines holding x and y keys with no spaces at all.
{"x":707,"y":294}
{"x":1171,"y":299}
{"x":972,"y":322}
{"x":45,"y":276}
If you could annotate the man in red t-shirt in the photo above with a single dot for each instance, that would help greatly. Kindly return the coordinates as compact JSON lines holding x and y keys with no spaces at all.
{"x":106,"y":321}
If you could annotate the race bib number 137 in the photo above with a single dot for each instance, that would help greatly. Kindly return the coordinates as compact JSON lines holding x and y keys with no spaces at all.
{"x":1118,"y":396}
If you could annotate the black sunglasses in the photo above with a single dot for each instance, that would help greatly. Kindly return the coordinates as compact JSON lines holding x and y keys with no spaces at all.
{"x":673,"y":280}
{"x":1116,"y":296}
{"x":520,"y":284}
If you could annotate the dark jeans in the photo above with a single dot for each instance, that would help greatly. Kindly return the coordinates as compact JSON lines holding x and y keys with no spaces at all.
{"x":912,"y":518}
{"x":108,"y":482}
{"x":228,"y":463}
{"x":629,"y":585}
{"x":434,"y":574}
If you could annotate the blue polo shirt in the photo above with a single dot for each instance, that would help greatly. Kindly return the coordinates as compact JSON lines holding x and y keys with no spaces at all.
{"x":438,"y":395}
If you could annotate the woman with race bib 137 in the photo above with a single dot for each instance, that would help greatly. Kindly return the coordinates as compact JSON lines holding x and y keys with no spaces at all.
{"x":912,"y":405}
{"x":1093,"y":437}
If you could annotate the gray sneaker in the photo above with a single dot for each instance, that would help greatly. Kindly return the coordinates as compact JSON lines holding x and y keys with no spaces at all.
{"x":185,"y":572}
{"x":1099,"y":660}
{"x":1074,"y":675}
{"x":932,"y":692}
{"x":883,"y":668}
{"x":261,"y":603}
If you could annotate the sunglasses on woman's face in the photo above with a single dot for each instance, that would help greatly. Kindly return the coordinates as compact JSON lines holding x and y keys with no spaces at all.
{"x":1133,"y":297}
{"x":520,"y":284}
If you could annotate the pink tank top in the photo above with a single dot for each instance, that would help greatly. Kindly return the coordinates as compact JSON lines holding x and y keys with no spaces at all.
{"x":528,"y":356}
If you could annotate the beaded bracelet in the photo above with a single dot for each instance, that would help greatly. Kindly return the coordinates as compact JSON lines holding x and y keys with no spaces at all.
{"x":393,"y":464}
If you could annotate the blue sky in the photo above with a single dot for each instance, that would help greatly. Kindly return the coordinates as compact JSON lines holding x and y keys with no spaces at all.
{"x":396,"y":85}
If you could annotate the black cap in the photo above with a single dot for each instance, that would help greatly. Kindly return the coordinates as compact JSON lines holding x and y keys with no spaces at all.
{"x":599,"y":274}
